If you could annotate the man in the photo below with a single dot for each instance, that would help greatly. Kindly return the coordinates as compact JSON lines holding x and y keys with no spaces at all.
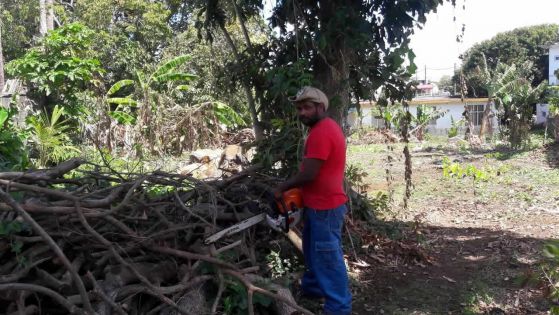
{"x":321,"y":178}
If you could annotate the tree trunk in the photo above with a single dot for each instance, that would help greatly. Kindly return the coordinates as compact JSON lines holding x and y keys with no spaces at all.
{"x":469,"y":124}
{"x":485,"y":120}
{"x":242,"y":24}
{"x":50,"y":15}
{"x":258,"y":132}
{"x":332,"y":66}
{"x":43,"y":28}
{"x":556,"y":128}
{"x":333,"y":78}
{"x":1,"y":63}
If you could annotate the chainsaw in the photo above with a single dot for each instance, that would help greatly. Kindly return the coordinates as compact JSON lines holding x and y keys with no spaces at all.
{"x":280,"y":214}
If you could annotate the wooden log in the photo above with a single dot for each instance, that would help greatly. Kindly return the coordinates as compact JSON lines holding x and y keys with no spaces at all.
{"x":44,"y":175}
{"x":28,"y":310}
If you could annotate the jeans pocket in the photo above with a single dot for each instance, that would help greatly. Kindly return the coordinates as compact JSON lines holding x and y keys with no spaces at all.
{"x":328,"y":253}
{"x":322,"y":215}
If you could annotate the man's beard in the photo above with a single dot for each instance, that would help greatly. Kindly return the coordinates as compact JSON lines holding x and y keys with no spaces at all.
{"x":309,"y":121}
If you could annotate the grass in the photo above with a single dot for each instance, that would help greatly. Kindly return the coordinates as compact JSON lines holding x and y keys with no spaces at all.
{"x":505,"y":208}
{"x":476,"y":298}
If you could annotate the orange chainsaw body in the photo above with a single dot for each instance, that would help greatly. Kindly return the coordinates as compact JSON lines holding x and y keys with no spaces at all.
{"x":292,"y":199}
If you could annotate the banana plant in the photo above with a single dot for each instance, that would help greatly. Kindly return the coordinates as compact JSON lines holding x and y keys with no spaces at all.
{"x":142,"y":102}
{"x":423,"y":116}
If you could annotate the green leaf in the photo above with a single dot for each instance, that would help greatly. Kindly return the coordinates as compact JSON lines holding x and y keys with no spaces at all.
{"x":226,"y":115}
{"x":3,"y":116}
{"x":175,"y":76}
{"x":119,"y":85}
{"x":17,"y":246}
{"x":262,"y":300}
{"x":171,"y":65}
{"x":123,"y":117}
{"x":183,"y":87}
{"x":122,"y":101}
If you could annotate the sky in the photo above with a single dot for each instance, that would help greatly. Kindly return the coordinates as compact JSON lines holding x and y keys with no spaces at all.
{"x":435,"y":45}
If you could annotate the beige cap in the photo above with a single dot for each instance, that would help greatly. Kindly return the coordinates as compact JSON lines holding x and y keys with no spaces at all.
{"x":309,"y":93}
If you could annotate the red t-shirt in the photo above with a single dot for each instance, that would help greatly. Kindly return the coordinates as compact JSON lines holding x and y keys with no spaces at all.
{"x":326,"y":142}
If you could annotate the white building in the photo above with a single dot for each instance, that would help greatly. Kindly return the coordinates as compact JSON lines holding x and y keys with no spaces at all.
{"x":542,"y":111}
{"x":452,"y":108}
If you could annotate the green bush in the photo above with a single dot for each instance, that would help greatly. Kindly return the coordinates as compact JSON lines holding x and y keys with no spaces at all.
{"x":61,"y":66}
{"x":454,"y":125}
{"x":13,"y":154}
{"x":50,"y":136}
{"x":550,"y":273}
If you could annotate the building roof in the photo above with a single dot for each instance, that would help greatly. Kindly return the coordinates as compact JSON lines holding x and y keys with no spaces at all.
{"x":446,"y":100}
{"x":436,"y":101}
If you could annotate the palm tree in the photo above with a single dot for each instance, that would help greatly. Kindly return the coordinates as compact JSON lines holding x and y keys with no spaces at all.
{"x":50,"y":135}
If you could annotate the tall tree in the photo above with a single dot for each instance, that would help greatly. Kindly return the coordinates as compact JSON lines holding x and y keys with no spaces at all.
{"x":20,"y":24}
{"x":50,"y":15}
{"x":353,"y":47}
{"x":553,"y":101}
{"x":517,"y":46}
{"x":129,"y":33}
{"x":1,"y":62}
{"x":216,"y":16}
{"x":43,"y":27}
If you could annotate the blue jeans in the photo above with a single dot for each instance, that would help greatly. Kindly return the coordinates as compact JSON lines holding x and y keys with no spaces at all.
{"x":326,"y":274}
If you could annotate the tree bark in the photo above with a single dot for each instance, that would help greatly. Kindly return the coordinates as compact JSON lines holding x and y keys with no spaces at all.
{"x":43,"y":28}
{"x":242,"y":24}
{"x":50,"y":15}
{"x":258,"y":132}
{"x":556,"y":128}
{"x":485,"y":120}
{"x":332,"y":67}
{"x":1,"y":63}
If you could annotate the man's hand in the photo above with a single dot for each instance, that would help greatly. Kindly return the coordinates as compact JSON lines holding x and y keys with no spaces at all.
{"x":278,"y":192}
{"x":309,"y":171}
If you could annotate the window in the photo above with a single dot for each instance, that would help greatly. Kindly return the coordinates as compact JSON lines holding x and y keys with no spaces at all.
{"x":556,"y":58}
{"x":476,"y":113}
{"x":544,"y":114}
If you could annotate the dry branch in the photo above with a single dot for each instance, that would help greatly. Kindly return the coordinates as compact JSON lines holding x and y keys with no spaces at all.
{"x":138,"y":252}
{"x":46,"y":291}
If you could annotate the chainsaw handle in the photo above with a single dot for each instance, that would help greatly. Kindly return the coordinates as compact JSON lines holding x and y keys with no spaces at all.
{"x":285,"y":214}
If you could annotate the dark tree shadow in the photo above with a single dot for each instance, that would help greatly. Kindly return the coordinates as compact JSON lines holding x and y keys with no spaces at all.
{"x":470,"y":265}
{"x":552,"y":154}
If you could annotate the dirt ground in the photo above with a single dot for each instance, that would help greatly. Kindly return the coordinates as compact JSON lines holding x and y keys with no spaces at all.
{"x":481,"y":244}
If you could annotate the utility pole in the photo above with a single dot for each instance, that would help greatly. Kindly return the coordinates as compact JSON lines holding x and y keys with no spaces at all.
{"x":425,"y":74}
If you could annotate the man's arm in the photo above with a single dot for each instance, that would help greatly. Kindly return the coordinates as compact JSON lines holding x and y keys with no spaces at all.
{"x":311,"y":167}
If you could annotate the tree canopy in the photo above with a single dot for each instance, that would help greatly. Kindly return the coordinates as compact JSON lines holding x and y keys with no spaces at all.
{"x":349,"y":49}
{"x":521,"y":45}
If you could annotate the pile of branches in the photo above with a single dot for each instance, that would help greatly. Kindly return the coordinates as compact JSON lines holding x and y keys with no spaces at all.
{"x":101,"y":242}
